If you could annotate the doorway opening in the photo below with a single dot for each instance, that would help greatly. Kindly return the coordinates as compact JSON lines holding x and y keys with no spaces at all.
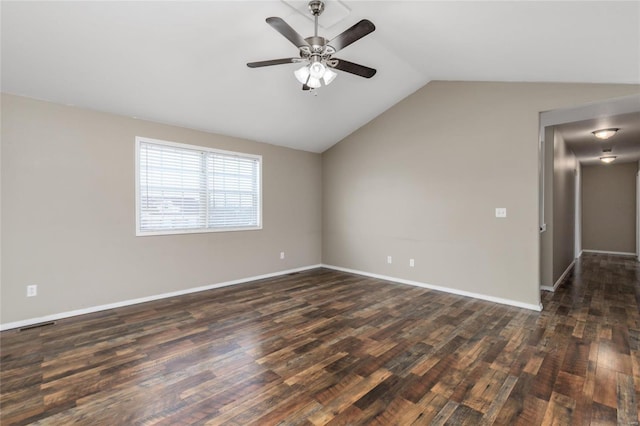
{"x":585,"y":205}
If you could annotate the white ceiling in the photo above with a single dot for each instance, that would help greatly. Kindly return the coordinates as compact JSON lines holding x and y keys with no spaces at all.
{"x":183,"y":63}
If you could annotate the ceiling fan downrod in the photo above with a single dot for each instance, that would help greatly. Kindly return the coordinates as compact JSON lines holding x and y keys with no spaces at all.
{"x":316,"y":7}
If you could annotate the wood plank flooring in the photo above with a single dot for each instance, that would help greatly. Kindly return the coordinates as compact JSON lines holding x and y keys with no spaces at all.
{"x":325,"y":347}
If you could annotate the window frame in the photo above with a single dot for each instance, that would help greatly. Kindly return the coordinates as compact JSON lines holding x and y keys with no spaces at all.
{"x":141,"y":233}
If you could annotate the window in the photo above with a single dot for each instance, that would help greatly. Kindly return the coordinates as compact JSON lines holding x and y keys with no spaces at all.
{"x":184,"y":188}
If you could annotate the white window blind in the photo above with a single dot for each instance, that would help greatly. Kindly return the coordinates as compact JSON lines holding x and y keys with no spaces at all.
{"x":183,"y":188}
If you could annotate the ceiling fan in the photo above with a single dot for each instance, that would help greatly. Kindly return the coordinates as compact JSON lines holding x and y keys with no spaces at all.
{"x":316,"y":53}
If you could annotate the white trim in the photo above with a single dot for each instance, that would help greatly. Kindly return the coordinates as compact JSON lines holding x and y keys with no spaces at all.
{"x":542,"y":224}
{"x":579,"y":254}
{"x":559,"y":280}
{"x":193,"y":231}
{"x":92,"y":309}
{"x":598,"y":109}
{"x":577,"y":218}
{"x":615,"y":253}
{"x":500,"y":300}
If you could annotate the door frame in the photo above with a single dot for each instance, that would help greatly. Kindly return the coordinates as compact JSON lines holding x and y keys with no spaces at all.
{"x":615,"y":106}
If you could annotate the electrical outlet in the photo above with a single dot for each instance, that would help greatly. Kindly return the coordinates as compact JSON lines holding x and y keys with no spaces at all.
{"x":412,"y":263}
{"x":389,"y":260}
{"x":501,"y":212}
{"x":32,"y":290}
{"x":281,"y":255}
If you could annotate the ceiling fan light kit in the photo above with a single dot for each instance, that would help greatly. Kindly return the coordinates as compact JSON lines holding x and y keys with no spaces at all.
{"x":316,"y":53}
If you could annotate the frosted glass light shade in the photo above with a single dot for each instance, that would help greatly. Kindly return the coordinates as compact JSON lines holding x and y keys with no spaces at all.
{"x":608,"y":158}
{"x":312,"y":75}
{"x":316,"y":70}
{"x":329,"y":76}
{"x":604,"y":133}
{"x":302,"y":74}
{"x":313,"y":82}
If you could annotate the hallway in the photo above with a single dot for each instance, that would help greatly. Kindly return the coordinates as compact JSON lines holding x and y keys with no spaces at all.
{"x":596,"y":315}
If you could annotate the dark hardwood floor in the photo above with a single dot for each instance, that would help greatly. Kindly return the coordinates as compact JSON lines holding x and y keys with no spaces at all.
{"x":324,"y":347}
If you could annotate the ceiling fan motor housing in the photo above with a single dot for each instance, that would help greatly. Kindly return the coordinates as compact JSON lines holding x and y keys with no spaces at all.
{"x":318,"y":45}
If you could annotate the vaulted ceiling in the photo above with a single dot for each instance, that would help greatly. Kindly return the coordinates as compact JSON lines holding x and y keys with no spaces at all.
{"x":184,"y":63}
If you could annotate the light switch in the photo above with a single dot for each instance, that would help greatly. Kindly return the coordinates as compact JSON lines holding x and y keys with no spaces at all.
{"x":501,"y":212}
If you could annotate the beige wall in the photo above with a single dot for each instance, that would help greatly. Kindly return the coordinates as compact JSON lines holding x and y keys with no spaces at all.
{"x":609,"y":207}
{"x":423,"y":180}
{"x":564,"y":198}
{"x":557,"y":242}
{"x":68,"y":213}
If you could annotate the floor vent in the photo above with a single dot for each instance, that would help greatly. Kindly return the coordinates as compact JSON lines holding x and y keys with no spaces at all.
{"x":42,"y":324}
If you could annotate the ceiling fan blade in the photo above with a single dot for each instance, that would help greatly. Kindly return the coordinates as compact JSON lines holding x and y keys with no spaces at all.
{"x":272,"y":62}
{"x":285,"y":29}
{"x":356,"y":69}
{"x":352,"y":34}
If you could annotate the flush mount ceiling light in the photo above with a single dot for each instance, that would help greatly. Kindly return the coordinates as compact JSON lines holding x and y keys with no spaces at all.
{"x":316,"y":52}
{"x":608,"y":158}
{"x":604,"y":133}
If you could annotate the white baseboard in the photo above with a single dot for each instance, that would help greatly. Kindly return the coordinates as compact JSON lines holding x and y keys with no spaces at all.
{"x":615,"y":253}
{"x":55,"y":317}
{"x":557,"y":283}
{"x":500,"y":300}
